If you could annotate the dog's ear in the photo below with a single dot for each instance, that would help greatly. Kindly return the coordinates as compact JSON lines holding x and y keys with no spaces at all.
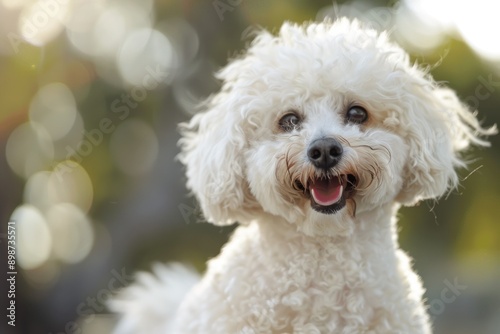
{"x":438,"y":127}
{"x":213,"y":144}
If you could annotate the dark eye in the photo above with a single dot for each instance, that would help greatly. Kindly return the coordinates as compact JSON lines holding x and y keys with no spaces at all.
{"x":356,"y":115}
{"x":289,"y":122}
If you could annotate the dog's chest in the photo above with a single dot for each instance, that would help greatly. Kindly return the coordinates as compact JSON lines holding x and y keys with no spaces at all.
{"x":303,"y":283}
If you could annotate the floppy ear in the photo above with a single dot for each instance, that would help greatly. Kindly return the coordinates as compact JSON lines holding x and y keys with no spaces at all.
{"x":213,"y":144}
{"x":438,"y":127}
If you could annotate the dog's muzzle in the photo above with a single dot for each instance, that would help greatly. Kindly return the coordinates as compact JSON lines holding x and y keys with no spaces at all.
{"x":329,"y":192}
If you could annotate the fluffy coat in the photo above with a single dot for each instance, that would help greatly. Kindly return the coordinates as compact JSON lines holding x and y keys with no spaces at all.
{"x":293,"y":266}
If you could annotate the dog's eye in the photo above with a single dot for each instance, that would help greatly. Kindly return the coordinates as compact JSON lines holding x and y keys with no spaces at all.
{"x":356,"y":115}
{"x":289,"y":122}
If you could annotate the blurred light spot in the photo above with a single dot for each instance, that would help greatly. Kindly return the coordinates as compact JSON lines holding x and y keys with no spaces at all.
{"x":109,"y":31}
{"x":29,"y":149}
{"x":479,"y":26}
{"x":69,"y":182}
{"x":117,"y":21}
{"x":80,"y":26}
{"x":146,"y":54}
{"x":416,"y":32}
{"x":184,"y":39}
{"x":36,"y":189}
{"x":42,"y":21}
{"x":440,"y":11}
{"x":99,"y":29}
{"x":54,"y":108}
{"x":33,"y":237}
{"x":11,"y":41}
{"x":14,"y":4}
{"x":134,"y":147}
{"x":71,"y":231}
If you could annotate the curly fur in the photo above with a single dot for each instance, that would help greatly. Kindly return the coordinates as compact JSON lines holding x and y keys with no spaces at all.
{"x":289,"y":268}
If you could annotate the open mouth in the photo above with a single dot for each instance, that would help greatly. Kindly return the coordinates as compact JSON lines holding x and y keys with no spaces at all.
{"x":329,"y":194}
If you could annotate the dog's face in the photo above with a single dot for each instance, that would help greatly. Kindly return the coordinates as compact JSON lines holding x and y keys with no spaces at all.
{"x":322,"y":123}
{"x":324,"y":157}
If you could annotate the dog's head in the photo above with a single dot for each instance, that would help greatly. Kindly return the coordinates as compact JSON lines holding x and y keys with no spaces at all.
{"x":321,"y":123}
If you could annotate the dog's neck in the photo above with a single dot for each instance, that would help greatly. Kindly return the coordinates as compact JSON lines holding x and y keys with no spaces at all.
{"x":372,"y":238}
{"x":379,"y":223}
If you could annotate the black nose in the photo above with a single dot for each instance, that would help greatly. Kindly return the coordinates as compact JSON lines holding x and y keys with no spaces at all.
{"x":325,"y":153}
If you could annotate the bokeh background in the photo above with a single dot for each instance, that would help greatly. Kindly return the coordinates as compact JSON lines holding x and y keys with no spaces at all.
{"x":91,"y":95}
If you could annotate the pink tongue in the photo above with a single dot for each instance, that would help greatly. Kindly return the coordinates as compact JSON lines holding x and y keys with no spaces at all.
{"x":327,"y":192}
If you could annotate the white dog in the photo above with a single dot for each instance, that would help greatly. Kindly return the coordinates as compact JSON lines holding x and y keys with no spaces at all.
{"x":315,"y":140}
